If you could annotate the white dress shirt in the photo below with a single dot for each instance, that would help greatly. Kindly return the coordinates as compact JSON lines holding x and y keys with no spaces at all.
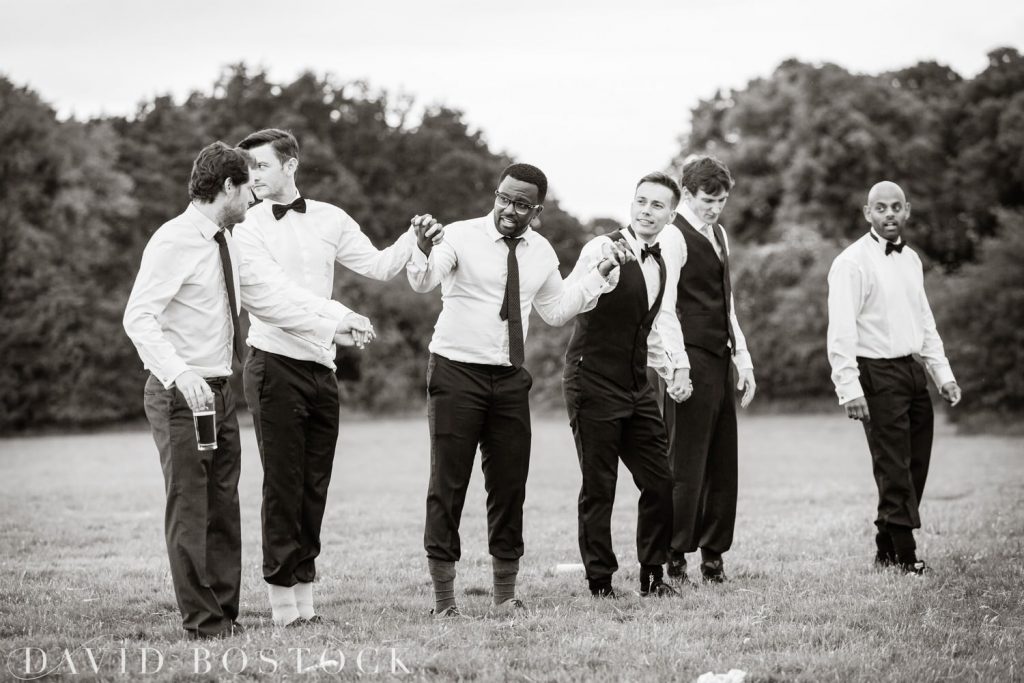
{"x":665,"y":350}
{"x":740,"y":356}
{"x":877,"y":308}
{"x":178,"y":315}
{"x":471,"y":265}
{"x":287,"y":275}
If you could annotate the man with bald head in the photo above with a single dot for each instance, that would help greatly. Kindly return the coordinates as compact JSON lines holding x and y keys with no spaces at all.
{"x":881,"y":342}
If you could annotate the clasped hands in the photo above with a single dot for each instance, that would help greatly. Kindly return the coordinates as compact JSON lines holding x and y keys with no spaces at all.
{"x":429,"y":233}
{"x":354,"y":330}
{"x":613,"y":255}
{"x":680,"y":388}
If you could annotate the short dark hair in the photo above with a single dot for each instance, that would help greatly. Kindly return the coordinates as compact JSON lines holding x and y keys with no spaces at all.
{"x":216,"y":163}
{"x":528,"y":174}
{"x":706,"y":173}
{"x":284,"y":143}
{"x":659,"y":178}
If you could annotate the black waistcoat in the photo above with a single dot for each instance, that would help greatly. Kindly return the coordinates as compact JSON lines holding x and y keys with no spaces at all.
{"x":704,"y":293}
{"x":611,"y":339}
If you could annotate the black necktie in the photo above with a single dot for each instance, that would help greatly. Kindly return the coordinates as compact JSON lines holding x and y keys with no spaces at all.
{"x":281,"y":209}
{"x":890,"y":247}
{"x":510,"y":308}
{"x":225,"y":261}
{"x":726,"y":283}
{"x":650,"y":250}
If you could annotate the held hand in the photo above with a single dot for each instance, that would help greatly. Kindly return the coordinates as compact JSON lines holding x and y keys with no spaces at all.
{"x":194,"y":390}
{"x":358,"y":328}
{"x":614,"y":254}
{"x":681,"y":388}
{"x":747,"y":385}
{"x":429,"y":233}
{"x":857,"y":409}
{"x":951,"y":392}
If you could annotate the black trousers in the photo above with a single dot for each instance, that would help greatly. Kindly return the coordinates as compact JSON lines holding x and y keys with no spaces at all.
{"x":201,"y":518}
{"x":294,"y":406}
{"x":609,"y":424}
{"x":703,"y":457}
{"x":899,"y":436}
{"x":471,"y":405}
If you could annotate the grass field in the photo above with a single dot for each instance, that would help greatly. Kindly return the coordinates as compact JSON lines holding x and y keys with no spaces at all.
{"x":84,"y":566}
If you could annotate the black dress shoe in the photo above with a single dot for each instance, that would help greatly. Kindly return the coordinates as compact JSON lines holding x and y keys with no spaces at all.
{"x":677,"y":568}
{"x":884,"y":560}
{"x":603,"y":592}
{"x":314,"y":620}
{"x":658,"y":589}
{"x":712,"y":571}
{"x":918,"y":568}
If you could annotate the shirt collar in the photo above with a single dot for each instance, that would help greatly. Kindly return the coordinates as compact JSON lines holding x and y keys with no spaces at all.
{"x":205,"y":226}
{"x":296,"y":196}
{"x":691,"y":218}
{"x":881,"y":240}
{"x":492,"y":231}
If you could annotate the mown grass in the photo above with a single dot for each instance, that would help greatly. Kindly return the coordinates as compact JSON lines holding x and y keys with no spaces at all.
{"x":84,"y":565}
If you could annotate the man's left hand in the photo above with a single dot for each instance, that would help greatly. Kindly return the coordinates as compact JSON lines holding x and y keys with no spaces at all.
{"x":951,"y":392}
{"x":747,"y":386}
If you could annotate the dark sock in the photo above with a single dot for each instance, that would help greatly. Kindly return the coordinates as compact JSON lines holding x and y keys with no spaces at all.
{"x":649,"y":574}
{"x":505,"y":573}
{"x":903,"y":544}
{"x":442,"y":573}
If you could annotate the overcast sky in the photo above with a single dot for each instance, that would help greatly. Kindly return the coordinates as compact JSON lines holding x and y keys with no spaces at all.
{"x":595,"y":93}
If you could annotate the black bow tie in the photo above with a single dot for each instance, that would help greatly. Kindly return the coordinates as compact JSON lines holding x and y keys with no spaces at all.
{"x":890,"y":247}
{"x":281,"y":209}
{"x":650,"y":250}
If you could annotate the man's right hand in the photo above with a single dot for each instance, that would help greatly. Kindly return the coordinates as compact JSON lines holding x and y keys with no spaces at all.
{"x":429,"y":232}
{"x":194,"y":389}
{"x":857,"y":409}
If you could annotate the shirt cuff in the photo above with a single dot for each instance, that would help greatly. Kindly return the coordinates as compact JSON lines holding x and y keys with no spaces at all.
{"x":942,"y":375}
{"x":175,"y":368}
{"x":849,"y":391}
{"x":594,"y":283}
{"x":418,"y":258}
{"x":742,"y":360}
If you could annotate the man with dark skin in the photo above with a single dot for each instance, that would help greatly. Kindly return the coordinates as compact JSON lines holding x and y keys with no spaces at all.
{"x":492,"y":270}
{"x":882,"y":342}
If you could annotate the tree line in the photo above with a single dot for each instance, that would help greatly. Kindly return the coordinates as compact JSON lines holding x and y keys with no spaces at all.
{"x":81,"y":199}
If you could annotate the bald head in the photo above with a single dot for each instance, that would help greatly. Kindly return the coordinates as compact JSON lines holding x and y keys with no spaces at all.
{"x":887,"y":209}
{"x":886,"y":189}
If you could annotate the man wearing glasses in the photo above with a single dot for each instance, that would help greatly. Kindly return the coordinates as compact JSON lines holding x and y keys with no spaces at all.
{"x":491,"y":270}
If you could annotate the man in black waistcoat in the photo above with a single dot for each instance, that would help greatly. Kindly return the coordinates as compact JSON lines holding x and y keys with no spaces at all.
{"x":702,"y":433}
{"x":613,"y":409}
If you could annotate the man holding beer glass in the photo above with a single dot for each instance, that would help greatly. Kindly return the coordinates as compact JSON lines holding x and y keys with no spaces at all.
{"x":182,"y":316}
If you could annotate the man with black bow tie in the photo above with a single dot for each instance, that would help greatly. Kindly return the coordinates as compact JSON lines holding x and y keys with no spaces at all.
{"x":880,"y":334}
{"x":290,"y":243}
{"x":613,"y":408}
{"x":702,"y":432}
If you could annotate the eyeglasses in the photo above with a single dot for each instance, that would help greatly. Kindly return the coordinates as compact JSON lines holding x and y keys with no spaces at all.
{"x":522,"y":208}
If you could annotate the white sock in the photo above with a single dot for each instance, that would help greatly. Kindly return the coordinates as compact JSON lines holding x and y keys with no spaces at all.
{"x":304,"y":600}
{"x":282,"y":604}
